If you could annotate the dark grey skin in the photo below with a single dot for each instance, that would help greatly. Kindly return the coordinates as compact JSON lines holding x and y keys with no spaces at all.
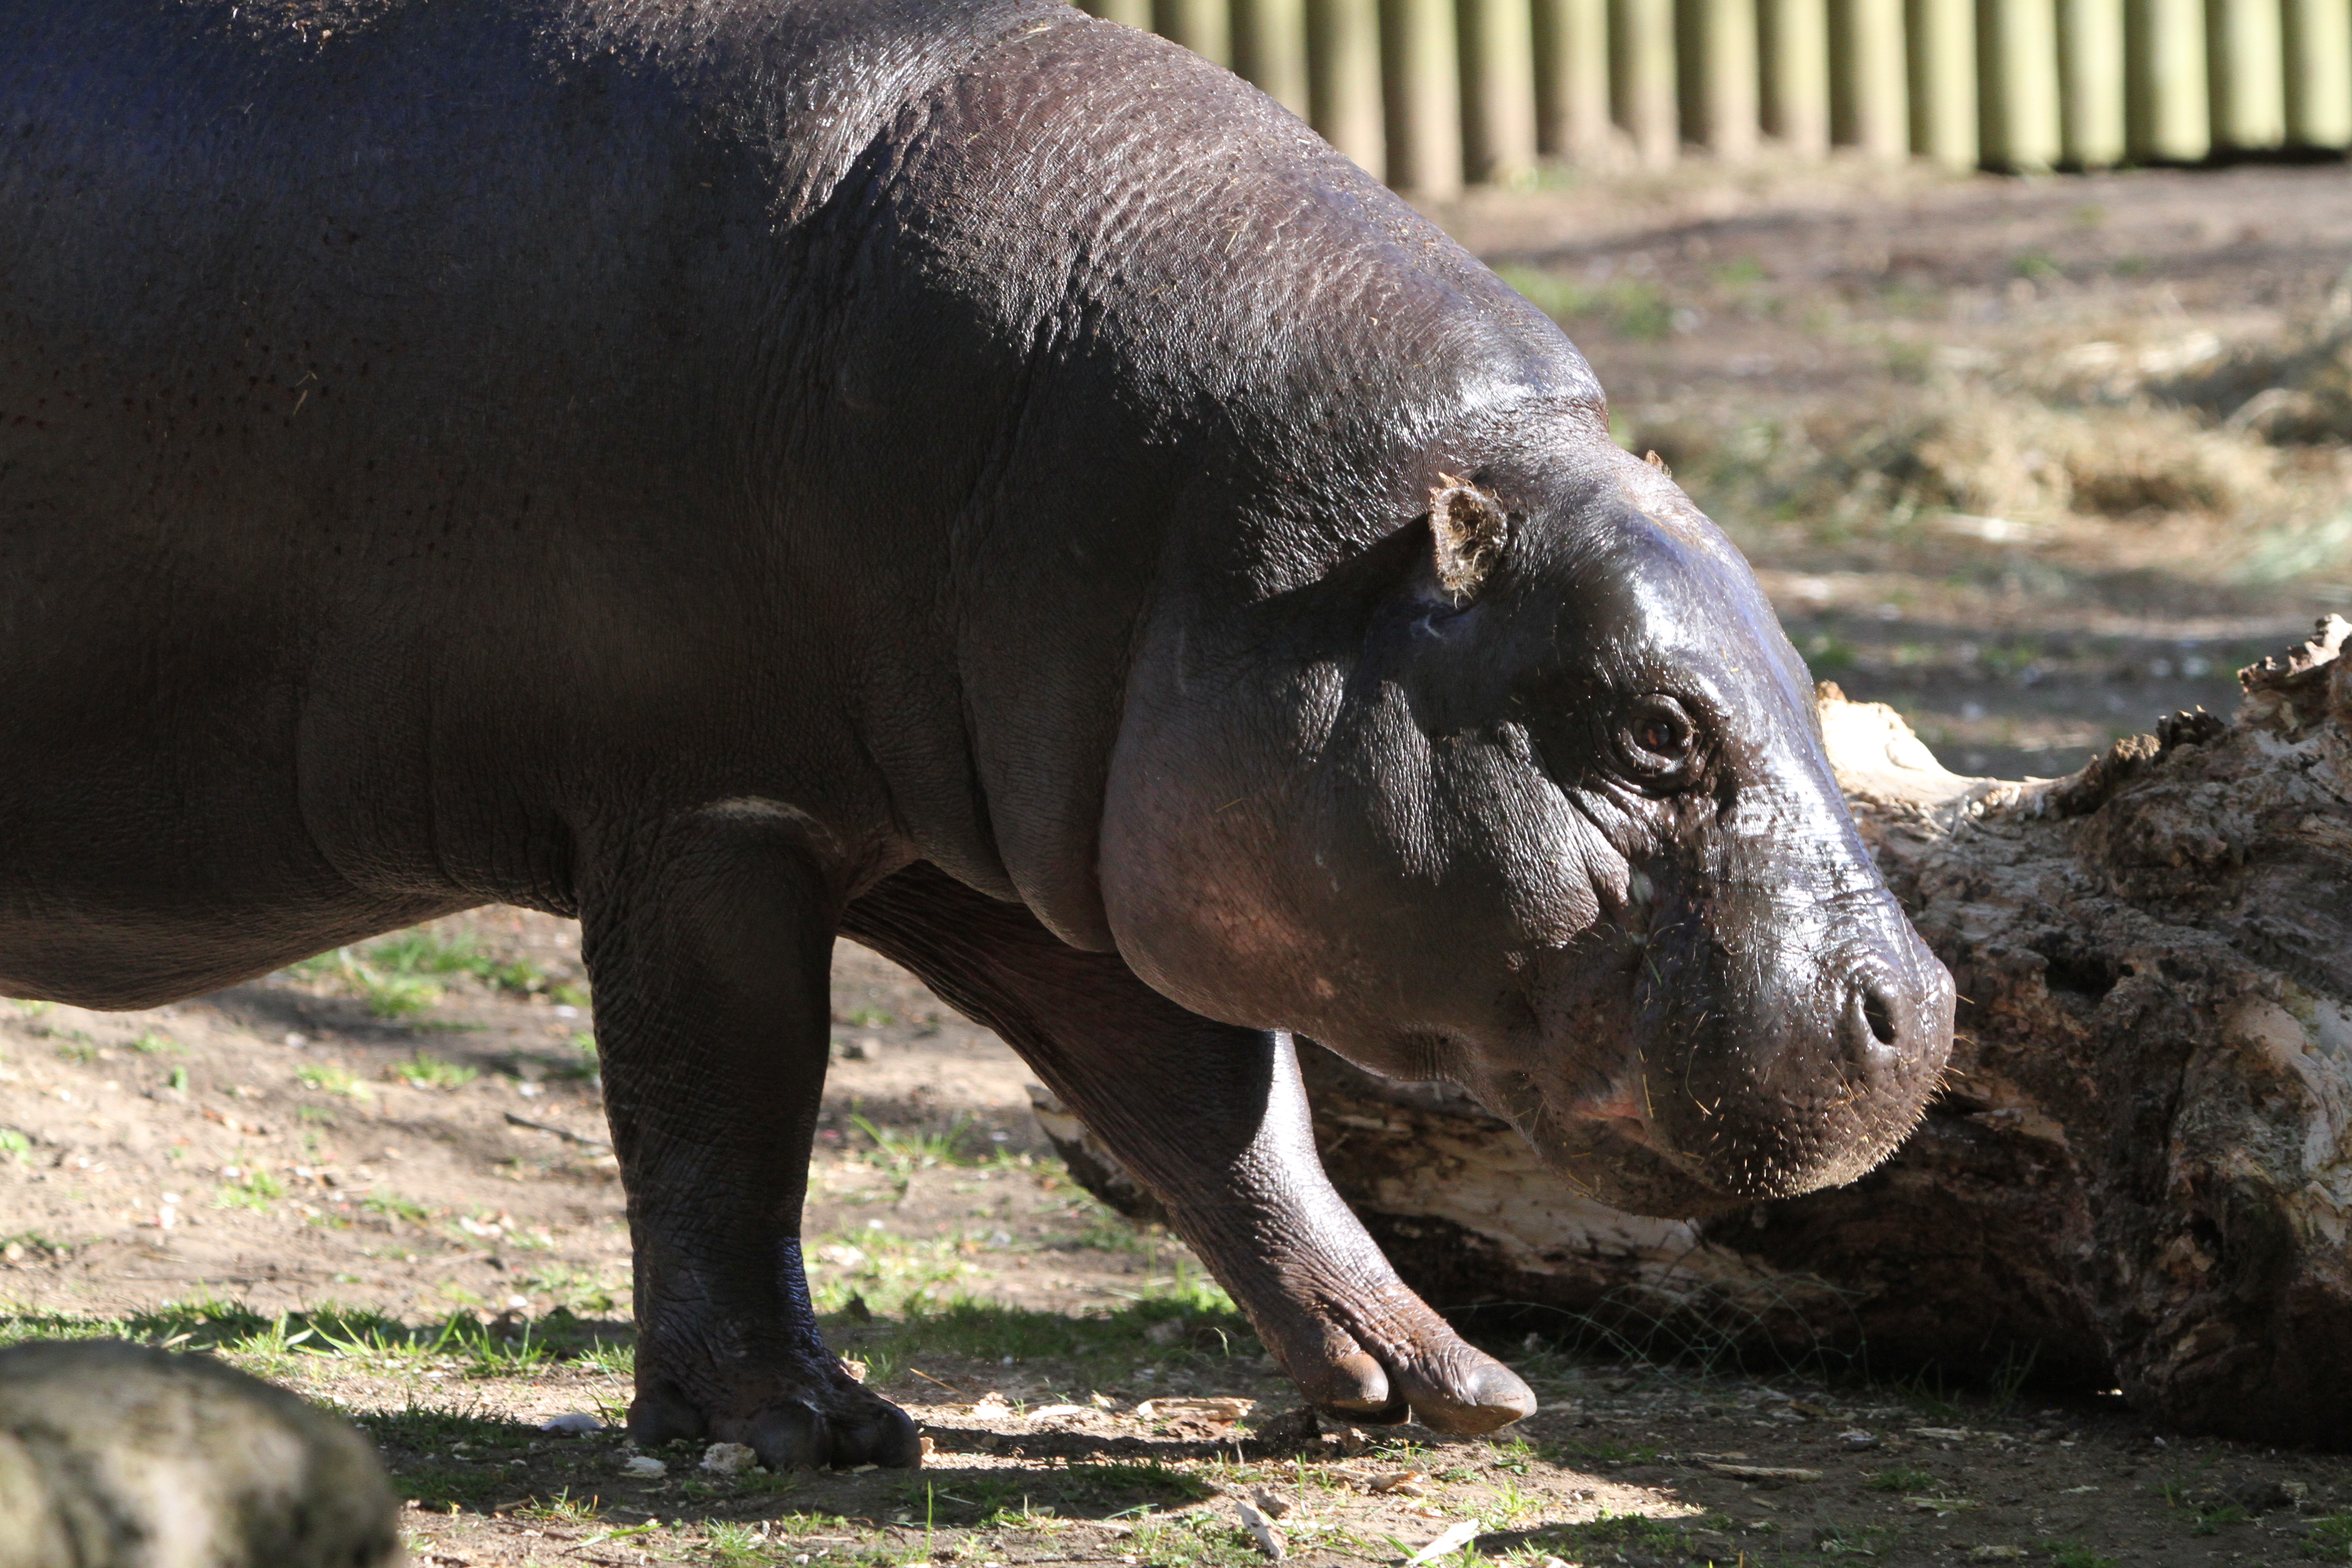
{"x":960,"y":475}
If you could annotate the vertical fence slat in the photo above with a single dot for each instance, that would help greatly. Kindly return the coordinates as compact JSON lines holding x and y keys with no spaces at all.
{"x":1572,"y":43}
{"x":1869,"y":97}
{"x":1942,"y":48}
{"x":1643,"y":77}
{"x":2248,"y":78}
{"x":2017,"y":65}
{"x":1343,"y":79}
{"x":1422,"y":73}
{"x":1716,"y":46}
{"x":2164,"y":88}
{"x":1498,"y":89}
{"x":2319,"y":72}
{"x":2091,"y":81}
{"x":1795,"y":43}
{"x":1270,"y":49}
{"x":1133,"y":13}
{"x":1204,"y":27}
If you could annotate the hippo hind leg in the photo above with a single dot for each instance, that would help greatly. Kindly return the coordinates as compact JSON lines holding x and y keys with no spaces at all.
{"x":710,"y":943}
{"x":1213,"y":1119}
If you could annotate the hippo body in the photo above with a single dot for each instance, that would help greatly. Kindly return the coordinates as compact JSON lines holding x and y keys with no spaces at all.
{"x":950,"y":472}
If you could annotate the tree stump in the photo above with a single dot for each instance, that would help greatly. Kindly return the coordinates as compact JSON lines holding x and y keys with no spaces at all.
{"x":2138,"y":1171}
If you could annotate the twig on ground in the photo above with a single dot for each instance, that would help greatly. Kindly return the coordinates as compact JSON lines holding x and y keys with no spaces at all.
{"x":565,"y":1132}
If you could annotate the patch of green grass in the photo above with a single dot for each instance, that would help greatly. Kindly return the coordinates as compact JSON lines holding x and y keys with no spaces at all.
{"x":2283,"y":554}
{"x":177,"y":1078}
{"x":330,"y":1080}
{"x":1928,"y":1395}
{"x":1638,"y":1532}
{"x":421,"y":1071}
{"x":435,"y":1428}
{"x":1603,"y":1451}
{"x":966,"y":1501}
{"x":1854,"y":1541}
{"x":904,"y":1152}
{"x":2074,"y":1554}
{"x":1900,"y":1479}
{"x":1195,"y":1540}
{"x":1631,"y":307}
{"x":1513,"y":1504}
{"x":521,"y":1356}
{"x":435,"y":1453}
{"x":616,"y":1359}
{"x":2329,"y":1539}
{"x":272,"y":1345}
{"x":1105,"y":1347}
{"x":2211,"y":1520}
{"x":565,"y":1508}
{"x":2036,"y":265}
{"x":385,"y":993}
{"x":421,"y":952}
{"x":80,"y":1051}
{"x":250,"y":1189}
{"x":807,"y":1522}
{"x":1111,"y":1232}
{"x":1127,"y":1483}
{"x":150,"y":1043}
{"x":1513,"y":1455}
{"x":392,"y":1208}
{"x":868,"y":1018}
{"x":13,"y":1144}
{"x":440,"y":1487}
{"x":578,"y":1289}
{"x":1827,"y":655}
{"x":731,"y":1542}
{"x":588,"y":1064}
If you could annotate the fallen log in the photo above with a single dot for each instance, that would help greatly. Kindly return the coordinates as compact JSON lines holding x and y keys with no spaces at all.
{"x":2139,"y":1170}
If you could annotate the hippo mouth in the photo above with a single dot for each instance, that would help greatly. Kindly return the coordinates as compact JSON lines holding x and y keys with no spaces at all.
{"x":1607,"y":1150}
{"x":1750,"y":1072}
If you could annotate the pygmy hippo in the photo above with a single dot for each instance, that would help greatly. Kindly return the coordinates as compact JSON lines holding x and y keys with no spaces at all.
{"x":955,"y":473}
{"x":117,"y":1456}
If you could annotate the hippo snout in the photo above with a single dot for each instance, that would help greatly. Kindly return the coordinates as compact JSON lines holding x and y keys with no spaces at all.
{"x":1804,"y":1061}
{"x":1891,"y":1020}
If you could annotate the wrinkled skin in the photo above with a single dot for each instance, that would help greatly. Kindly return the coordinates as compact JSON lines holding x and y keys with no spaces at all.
{"x":961,"y":475}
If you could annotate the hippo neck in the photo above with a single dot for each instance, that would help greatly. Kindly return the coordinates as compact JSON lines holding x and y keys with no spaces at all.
{"x":1164,"y":352}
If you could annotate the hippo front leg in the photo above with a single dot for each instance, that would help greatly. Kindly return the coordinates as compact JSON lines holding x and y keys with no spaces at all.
{"x":709,"y":945}
{"x":1214,"y":1120}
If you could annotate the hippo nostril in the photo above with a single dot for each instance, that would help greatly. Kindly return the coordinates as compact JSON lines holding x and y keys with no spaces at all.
{"x":1880,"y":1013}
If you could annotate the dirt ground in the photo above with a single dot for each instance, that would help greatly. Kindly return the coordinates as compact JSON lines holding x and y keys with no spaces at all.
{"x":1999,"y":451}
{"x":2032,"y":460}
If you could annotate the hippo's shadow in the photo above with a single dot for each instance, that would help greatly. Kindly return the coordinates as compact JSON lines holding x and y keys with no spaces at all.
{"x":1080,"y":1448}
{"x":1101,"y":1485}
{"x":446,"y":1460}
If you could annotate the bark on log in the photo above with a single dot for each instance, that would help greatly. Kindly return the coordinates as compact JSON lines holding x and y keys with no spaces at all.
{"x":2139,"y":1171}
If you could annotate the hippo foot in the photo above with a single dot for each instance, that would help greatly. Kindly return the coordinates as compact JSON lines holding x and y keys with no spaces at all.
{"x":804,"y":1424}
{"x":1380,"y":1365}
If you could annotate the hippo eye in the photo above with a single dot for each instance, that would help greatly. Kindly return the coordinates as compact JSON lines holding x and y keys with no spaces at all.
{"x":1659,"y":741}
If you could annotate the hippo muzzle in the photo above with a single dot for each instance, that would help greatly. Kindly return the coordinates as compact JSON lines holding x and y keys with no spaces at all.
{"x":1797,"y":1040}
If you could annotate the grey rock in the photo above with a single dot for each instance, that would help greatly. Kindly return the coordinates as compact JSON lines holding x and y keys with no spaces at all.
{"x":117,"y":1456}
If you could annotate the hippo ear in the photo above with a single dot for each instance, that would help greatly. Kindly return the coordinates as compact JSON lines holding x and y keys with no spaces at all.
{"x":1469,"y":529}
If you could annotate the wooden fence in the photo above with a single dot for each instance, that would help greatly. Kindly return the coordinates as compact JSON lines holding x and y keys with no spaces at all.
{"x":1430,"y":94}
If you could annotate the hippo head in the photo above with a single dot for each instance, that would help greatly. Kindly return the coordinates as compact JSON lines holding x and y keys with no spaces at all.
{"x":1528,"y":794}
